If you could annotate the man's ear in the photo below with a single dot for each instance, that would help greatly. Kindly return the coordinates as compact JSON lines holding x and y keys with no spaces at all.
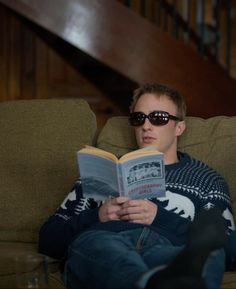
{"x":180,"y":127}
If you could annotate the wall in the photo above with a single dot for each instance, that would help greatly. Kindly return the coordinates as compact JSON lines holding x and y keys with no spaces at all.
{"x":30,"y":68}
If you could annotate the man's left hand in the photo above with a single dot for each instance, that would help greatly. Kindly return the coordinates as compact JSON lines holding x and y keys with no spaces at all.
{"x":138,"y":211}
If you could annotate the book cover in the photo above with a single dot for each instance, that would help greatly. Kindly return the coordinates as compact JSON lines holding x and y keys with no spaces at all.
{"x":137,"y":175}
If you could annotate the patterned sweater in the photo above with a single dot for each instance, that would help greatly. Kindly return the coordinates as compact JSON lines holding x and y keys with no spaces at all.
{"x":190,"y":187}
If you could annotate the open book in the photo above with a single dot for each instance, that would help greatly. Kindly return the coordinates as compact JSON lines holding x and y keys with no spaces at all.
{"x":139,"y":174}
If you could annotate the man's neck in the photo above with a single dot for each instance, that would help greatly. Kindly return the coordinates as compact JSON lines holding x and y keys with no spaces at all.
{"x":170,"y":159}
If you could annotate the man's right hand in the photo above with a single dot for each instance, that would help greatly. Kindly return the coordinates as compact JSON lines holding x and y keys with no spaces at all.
{"x":108,"y":211}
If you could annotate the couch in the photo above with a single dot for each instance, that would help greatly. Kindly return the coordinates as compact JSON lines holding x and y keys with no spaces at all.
{"x":39,"y":140}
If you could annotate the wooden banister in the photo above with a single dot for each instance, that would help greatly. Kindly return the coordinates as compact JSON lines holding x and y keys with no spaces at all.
{"x":122,"y":40}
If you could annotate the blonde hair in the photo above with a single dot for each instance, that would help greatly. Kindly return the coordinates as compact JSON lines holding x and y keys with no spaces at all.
{"x":159,"y":90}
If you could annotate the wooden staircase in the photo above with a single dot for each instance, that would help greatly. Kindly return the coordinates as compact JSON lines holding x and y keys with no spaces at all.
{"x":127,"y":50}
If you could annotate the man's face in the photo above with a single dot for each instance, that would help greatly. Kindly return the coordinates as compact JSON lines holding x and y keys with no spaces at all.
{"x":163,"y":137}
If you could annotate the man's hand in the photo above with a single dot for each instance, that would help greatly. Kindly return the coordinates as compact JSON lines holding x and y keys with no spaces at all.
{"x":138,"y":211}
{"x":108,"y":211}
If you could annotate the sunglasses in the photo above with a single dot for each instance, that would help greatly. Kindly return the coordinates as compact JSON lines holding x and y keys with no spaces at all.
{"x":155,"y":118}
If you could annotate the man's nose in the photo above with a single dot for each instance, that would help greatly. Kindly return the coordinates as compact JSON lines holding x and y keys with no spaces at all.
{"x":147,"y":124}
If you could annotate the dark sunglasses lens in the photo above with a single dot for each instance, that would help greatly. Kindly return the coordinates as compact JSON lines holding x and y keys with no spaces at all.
{"x":158,"y":118}
{"x":137,"y":118}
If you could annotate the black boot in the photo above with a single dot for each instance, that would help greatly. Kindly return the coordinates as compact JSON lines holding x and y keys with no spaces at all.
{"x":206,"y":234}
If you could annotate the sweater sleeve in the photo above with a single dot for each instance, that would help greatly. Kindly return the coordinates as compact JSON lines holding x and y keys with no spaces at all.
{"x":74,"y":215}
{"x":217,"y":195}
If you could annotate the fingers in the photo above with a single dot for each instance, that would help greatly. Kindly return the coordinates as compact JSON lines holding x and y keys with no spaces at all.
{"x":138,"y":211}
{"x":125,"y":209}
{"x":109,"y":210}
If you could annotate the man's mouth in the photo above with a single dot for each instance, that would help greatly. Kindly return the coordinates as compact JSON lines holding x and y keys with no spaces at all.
{"x":148,"y":140}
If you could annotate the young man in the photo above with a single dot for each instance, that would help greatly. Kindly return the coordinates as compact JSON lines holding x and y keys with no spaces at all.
{"x":170,"y":242}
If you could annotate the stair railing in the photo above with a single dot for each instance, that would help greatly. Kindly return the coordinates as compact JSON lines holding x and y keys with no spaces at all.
{"x":192,"y":28}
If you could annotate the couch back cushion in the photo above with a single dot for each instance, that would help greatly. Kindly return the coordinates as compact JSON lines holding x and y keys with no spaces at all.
{"x":211,"y":140}
{"x":39,"y":140}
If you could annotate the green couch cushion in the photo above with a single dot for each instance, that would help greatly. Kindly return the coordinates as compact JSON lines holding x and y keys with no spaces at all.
{"x":39,"y":140}
{"x":211,"y":140}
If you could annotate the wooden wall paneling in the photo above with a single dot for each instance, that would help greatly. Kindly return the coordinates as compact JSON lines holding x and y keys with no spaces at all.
{"x":56,"y":78}
{"x":191,"y":19}
{"x":135,"y":5}
{"x":14,"y":58}
{"x":192,"y":12}
{"x":233,"y":54}
{"x":222,"y":46}
{"x":30,"y":68}
{"x":208,"y":18}
{"x":156,"y":56}
{"x":3,"y":54}
{"x":41,"y":73}
{"x":28,"y":63}
{"x":179,"y":10}
{"x":150,"y":10}
{"x":233,"y":42}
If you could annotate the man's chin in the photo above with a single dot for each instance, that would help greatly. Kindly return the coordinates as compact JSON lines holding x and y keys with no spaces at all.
{"x":145,"y":145}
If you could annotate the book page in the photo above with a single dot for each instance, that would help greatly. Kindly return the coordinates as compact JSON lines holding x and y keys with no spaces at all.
{"x":99,"y":152}
{"x":98,"y":175}
{"x":150,"y":150}
{"x":144,"y":177}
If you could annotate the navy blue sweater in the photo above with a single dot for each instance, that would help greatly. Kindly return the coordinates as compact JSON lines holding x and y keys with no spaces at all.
{"x":190,"y":187}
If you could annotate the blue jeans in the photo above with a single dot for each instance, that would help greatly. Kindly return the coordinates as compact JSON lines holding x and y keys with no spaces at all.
{"x":103,"y":259}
